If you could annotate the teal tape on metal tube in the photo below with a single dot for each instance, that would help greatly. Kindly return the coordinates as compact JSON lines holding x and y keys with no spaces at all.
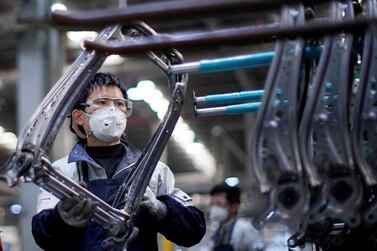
{"x":242,"y":108}
{"x":234,"y":97}
{"x":238,"y":62}
{"x":248,"y":61}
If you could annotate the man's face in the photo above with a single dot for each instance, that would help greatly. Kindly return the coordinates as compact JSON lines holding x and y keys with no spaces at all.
{"x":81,"y":118}
{"x":219,"y":200}
{"x":219,"y":209}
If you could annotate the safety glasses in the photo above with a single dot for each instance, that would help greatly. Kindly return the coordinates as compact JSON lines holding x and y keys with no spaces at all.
{"x":122,"y":104}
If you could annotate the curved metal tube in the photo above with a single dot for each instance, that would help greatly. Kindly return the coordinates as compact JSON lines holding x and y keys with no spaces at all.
{"x":133,"y":188}
{"x":257,"y":34}
{"x":164,"y":11}
{"x":42,"y":128}
{"x":30,"y":161}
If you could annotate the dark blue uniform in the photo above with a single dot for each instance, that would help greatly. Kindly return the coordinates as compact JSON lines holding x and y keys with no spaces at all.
{"x":183,"y":225}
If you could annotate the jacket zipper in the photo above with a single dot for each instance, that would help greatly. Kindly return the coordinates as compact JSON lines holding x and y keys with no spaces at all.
{"x":121,"y":170}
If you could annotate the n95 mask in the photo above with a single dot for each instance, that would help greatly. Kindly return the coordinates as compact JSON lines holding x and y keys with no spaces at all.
{"x":218,"y":214}
{"x":108,"y":124}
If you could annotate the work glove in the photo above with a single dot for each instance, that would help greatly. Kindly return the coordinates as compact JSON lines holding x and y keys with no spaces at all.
{"x":152,"y":205}
{"x":121,"y":241}
{"x":76,"y":211}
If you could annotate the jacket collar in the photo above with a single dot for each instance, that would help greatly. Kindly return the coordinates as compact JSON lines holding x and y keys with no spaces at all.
{"x":78,"y":153}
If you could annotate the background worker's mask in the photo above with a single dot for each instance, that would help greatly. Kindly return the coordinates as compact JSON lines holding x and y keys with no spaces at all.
{"x":108,"y":124}
{"x":218,"y":213}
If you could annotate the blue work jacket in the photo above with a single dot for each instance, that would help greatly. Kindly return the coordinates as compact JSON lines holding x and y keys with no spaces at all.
{"x":183,"y":224}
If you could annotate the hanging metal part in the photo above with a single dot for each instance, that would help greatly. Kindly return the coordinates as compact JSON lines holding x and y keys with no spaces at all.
{"x":364,"y":132}
{"x":274,"y":147}
{"x":325,"y":234}
{"x":165,"y":59}
{"x":30,"y":162}
{"x":325,"y":133}
{"x":132,"y":190}
{"x":133,"y":193}
{"x":42,"y":128}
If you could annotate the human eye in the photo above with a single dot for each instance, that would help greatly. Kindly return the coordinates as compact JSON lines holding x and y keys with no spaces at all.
{"x":120,"y":103}
{"x":100,"y":102}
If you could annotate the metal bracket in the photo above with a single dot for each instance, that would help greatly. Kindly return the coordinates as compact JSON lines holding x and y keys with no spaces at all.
{"x":364,"y":132}
{"x":325,"y":134}
{"x":274,"y":146}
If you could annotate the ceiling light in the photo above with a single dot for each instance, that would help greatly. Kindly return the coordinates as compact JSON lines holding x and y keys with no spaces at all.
{"x":58,"y":6}
{"x":183,"y":135}
{"x":77,"y":38}
{"x":15,"y":209}
{"x":8,"y":140}
{"x":232,"y":181}
{"x":113,"y":60}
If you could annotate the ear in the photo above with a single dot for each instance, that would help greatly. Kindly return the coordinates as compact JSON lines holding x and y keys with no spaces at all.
{"x":77,"y":117}
{"x":78,"y":120}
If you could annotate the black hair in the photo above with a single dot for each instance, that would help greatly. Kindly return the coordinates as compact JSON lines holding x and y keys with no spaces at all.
{"x":99,"y":79}
{"x":233,"y":193}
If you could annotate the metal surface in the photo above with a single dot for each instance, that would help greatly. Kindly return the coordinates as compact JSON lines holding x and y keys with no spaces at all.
{"x":133,"y":188}
{"x":328,"y":161}
{"x":227,"y":110}
{"x":364,"y":140}
{"x":164,"y":11}
{"x":234,"y":97}
{"x":243,"y":35}
{"x":274,"y":148}
{"x":30,"y":161}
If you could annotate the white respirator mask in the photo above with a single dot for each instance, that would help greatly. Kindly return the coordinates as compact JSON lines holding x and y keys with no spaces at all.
{"x":218,"y":214}
{"x":108,"y":124}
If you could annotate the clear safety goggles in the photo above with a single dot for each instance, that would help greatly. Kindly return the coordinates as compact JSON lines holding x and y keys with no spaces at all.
{"x":122,"y":104}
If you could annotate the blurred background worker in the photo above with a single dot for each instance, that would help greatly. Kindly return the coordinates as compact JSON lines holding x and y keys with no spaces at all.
{"x":233,"y":233}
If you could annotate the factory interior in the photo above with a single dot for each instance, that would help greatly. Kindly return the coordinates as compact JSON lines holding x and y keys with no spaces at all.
{"x":301,"y":149}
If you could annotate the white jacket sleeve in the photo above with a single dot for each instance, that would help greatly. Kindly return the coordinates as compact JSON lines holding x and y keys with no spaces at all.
{"x":46,"y":200}
{"x":163,"y":183}
{"x":245,"y":237}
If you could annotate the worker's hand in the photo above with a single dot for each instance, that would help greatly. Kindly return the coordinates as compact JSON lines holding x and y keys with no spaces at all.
{"x":153,"y":206}
{"x":76,"y":211}
{"x":121,"y":241}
